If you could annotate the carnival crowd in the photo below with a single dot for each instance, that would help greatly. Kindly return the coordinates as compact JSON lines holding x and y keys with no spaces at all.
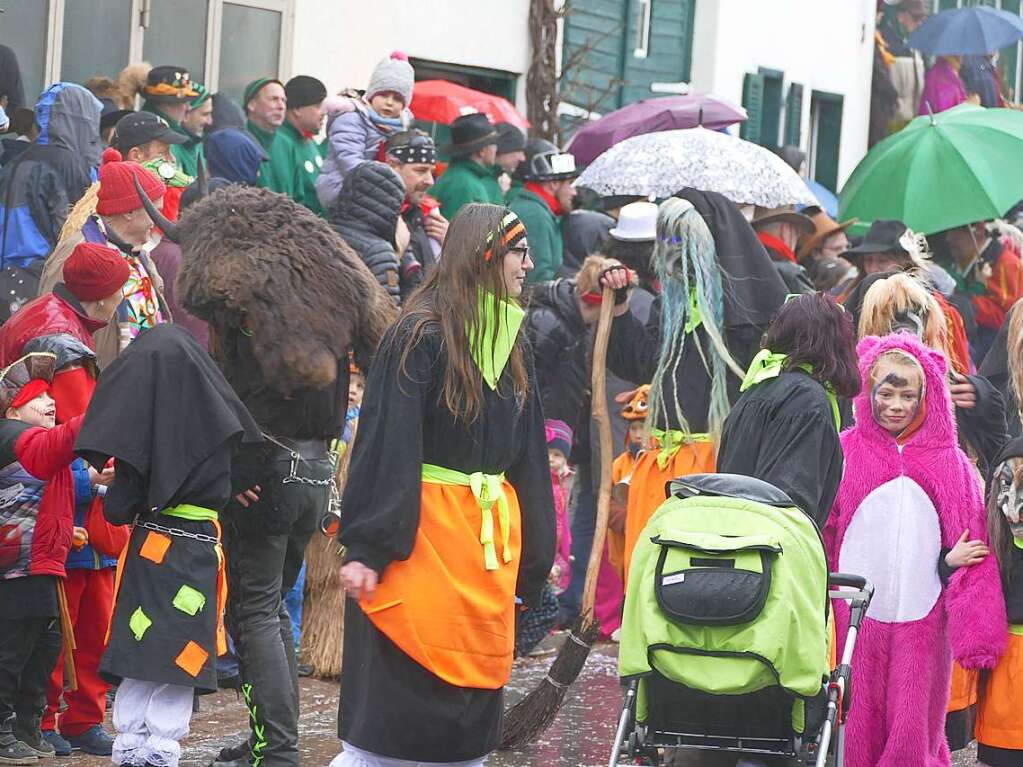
{"x":226,"y":340}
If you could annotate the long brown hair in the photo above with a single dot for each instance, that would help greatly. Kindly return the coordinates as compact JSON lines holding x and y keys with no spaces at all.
{"x":450,"y":298}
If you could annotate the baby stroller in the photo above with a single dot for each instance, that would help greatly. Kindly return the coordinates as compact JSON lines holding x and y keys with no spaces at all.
{"x":725,"y":639}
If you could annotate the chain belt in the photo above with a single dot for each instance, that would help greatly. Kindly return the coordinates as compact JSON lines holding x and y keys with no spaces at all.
{"x":178,"y":532}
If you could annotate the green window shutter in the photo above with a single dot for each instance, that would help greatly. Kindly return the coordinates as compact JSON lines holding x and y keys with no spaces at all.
{"x":794,"y":115}
{"x":753,"y":101}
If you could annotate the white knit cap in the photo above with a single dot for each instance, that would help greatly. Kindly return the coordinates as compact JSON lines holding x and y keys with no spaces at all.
{"x":392,"y":74}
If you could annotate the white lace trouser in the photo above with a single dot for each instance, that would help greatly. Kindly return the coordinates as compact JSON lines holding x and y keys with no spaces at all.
{"x":355,"y":757}
{"x":150,"y":719}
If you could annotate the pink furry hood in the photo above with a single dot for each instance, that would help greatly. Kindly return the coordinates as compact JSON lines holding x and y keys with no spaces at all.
{"x":931,"y":458}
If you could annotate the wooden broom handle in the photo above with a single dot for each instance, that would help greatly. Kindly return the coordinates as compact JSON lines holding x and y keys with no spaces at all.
{"x":603,"y":419}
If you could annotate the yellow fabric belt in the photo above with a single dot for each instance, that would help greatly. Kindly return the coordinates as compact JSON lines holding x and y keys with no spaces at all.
{"x":671,"y":440}
{"x":488,"y":490}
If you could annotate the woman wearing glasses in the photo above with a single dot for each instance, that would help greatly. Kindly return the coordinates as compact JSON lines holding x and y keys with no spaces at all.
{"x":447,"y":515}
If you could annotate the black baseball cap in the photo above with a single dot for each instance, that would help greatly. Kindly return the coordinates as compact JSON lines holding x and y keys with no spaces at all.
{"x":140,"y":128}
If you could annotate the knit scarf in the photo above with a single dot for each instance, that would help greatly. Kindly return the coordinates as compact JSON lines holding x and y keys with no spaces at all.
{"x":543,"y":194}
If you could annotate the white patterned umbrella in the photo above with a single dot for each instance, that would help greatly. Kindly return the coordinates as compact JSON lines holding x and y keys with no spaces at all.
{"x":660,"y":164}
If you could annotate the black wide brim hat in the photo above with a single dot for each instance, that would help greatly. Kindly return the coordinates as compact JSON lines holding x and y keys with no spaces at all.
{"x":882,"y":237}
{"x":471,"y":133}
{"x":803,"y":223}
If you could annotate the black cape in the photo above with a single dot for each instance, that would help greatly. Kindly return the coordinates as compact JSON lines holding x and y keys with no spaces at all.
{"x":753,"y":292}
{"x":783,"y":432}
{"x":391,"y":705}
{"x":995,"y":368}
{"x":163,"y":407}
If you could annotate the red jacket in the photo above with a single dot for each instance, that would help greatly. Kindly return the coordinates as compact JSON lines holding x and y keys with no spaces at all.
{"x":51,"y":314}
{"x":35,"y":536}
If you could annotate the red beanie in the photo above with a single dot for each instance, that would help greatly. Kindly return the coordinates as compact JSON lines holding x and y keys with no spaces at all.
{"x":94,"y":272}
{"x":117,"y":190}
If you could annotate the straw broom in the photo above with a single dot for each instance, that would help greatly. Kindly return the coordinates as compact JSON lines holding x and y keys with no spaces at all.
{"x":323,"y":612}
{"x":531,"y":716}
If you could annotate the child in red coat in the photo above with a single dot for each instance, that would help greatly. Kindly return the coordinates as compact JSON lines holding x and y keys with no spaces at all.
{"x":36,"y":508}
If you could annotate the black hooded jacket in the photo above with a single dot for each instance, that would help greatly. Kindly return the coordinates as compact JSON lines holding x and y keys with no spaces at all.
{"x":560,"y":341}
{"x":365,"y":214}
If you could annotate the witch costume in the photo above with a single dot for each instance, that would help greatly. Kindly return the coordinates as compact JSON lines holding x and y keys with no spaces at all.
{"x":675,"y":352}
{"x":458,"y":518}
{"x":171,"y":422}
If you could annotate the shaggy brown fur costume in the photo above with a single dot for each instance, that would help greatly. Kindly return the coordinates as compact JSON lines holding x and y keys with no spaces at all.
{"x":255,"y":261}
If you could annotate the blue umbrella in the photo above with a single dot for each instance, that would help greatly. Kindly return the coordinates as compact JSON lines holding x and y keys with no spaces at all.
{"x":827,"y":198}
{"x":975,"y":30}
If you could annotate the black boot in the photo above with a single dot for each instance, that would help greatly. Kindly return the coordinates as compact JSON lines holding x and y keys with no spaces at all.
{"x":238,"y":755}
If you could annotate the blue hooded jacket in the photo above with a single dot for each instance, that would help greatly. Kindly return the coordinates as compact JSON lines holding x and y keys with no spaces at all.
{"x":234,"y":155}
{"x":39,"y":187}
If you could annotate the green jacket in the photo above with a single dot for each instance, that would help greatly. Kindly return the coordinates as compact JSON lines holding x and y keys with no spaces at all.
{"x":273,"y":173}
{"x":490,"y":181}
{"x":299,"y":161}
{"x":463,"y":182}
{"x":516,"y":189}
{"x":186,"y":155}
{"x":543,"y":230}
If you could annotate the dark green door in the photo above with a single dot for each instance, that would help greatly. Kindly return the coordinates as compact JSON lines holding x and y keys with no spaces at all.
{"x":826,"y":111}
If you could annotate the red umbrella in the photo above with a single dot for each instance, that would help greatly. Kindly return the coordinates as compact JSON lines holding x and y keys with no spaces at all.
{"x":442,"y":102}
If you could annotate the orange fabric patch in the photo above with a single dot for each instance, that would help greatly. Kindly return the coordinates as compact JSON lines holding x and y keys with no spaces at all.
{"x":192,"y":658}
{"x":647,"y":487}
{"x":154,"y":548}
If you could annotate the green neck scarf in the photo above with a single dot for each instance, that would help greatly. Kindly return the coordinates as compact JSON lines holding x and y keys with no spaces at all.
{"x":767,"y":365}
{"x":694,"y":318}
{"x":492,"y":349}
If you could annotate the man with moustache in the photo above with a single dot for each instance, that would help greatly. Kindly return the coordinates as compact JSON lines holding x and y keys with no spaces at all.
{"x":413,"y":156}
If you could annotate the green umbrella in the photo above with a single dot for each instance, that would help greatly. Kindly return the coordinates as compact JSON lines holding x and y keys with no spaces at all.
{"x":941,"y":171}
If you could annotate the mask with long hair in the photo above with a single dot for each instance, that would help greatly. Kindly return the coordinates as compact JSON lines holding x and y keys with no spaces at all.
{"x":900,"y":302}
{"x":685,"y":261}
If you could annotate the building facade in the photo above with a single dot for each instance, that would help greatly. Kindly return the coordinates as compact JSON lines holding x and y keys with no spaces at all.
{"x":226,"y":43}
{"x":802,"y":68}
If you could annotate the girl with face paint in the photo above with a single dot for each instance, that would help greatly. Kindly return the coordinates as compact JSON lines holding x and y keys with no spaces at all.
{"x":909,"y":516}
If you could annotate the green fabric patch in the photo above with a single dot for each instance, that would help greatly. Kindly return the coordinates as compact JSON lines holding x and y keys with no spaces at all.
{"x":492,"y":349}
{"x":189,"y":600}
{"x":139,"y":624}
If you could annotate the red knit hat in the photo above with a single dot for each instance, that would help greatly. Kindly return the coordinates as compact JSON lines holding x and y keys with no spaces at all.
{"x":117,"y":190}
{"x":94,"y":272}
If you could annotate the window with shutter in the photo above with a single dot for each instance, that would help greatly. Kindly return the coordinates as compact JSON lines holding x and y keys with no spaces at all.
{"x":753,"y":101}
{"x":794,"y":115}
{"x":771,"y":107}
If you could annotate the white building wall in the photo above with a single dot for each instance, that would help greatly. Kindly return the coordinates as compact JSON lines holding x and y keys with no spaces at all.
{"x":825,"y":45}
{"x":340,"y":41}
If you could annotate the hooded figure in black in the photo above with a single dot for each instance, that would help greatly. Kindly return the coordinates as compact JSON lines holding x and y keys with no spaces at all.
{"x":286,"y":301}
{"x":172,"y":424}
{"x":719,"y":290}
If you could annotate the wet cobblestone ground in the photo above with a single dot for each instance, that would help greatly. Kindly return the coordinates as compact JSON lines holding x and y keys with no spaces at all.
{"x":580,"y":737}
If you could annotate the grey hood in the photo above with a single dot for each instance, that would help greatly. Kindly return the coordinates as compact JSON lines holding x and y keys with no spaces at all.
{"x":68,"y":116}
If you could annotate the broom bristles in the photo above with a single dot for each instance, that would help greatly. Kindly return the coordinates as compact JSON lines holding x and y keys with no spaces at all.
{"x":530,"y":717}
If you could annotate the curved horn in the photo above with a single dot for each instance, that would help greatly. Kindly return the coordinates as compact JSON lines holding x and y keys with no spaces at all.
{"x":170,"y":230}
{"x":204,"y":183}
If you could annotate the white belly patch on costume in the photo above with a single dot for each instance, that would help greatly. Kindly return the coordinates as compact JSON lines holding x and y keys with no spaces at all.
{"x":894,"y":541}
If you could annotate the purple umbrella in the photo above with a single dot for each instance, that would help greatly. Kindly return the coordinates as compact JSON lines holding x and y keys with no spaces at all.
{"x":650,"y":116}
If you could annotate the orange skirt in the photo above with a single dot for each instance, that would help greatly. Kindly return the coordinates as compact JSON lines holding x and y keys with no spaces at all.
{"x":441,"y":606}
{"x":963,"y":693}
{"x":1001,"y":700}
{"x":647,"y":487}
